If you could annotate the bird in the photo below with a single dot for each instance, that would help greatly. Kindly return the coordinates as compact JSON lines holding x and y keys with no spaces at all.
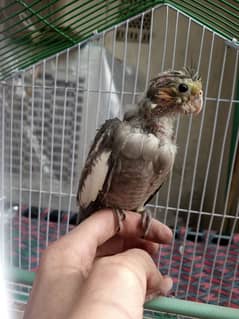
{"x":130,"y":159}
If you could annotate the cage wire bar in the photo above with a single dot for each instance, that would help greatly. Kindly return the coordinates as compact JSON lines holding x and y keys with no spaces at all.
{"x":50,"y":112}
{"x":34,"y":30}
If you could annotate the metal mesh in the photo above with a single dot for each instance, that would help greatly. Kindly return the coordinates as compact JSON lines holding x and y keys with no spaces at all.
{"x":49,"y":116}
{"x":33,"y":30}
{"x":133,"y":30}
{"x":34,"y":133}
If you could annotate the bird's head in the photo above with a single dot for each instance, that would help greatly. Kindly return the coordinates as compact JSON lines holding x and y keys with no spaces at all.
{"x":175,"y":92}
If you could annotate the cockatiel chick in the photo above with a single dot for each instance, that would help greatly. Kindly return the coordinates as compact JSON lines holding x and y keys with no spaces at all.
{"x":129,"y":160}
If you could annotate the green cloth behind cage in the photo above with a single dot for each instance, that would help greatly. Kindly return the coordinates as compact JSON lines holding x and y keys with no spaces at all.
{"x":34,"y":30}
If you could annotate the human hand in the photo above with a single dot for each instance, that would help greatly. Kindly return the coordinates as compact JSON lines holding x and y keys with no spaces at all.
{"x":95,"y":272}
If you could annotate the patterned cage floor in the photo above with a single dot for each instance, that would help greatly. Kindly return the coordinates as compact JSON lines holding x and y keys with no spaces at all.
{"x":204,"y":277}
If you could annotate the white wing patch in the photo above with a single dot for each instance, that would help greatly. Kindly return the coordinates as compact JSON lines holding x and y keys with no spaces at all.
{"x":94,"y":182}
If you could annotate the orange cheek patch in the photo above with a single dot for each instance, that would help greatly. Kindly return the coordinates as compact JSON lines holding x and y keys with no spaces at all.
{"x":165,"y":94}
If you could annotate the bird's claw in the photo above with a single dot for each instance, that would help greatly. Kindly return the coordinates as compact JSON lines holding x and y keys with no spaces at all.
{"x":120,"y":216}
{"x":146,"y":221}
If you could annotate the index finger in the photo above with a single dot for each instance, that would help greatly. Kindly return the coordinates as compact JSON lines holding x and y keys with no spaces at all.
{"x":102,"y":225}
{"x":78,"y":248}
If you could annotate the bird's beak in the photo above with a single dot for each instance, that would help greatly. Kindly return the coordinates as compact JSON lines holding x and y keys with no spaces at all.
{"x":197,"y":102}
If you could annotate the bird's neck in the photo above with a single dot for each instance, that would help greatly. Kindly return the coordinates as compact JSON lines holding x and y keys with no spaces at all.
{"x":161,"y":125}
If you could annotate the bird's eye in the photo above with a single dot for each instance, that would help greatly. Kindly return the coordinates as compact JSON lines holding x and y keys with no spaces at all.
{"x":183,"y":88}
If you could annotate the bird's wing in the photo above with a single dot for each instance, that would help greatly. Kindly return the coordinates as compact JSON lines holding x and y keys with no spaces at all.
{"x":97,"y":166}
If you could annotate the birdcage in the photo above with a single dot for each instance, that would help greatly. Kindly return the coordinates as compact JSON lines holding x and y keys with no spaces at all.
{"x":67,"y":66}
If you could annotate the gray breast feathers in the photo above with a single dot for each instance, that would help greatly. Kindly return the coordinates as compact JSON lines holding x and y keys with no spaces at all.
{"x":123,"y":159}
{"x":134,"y":144}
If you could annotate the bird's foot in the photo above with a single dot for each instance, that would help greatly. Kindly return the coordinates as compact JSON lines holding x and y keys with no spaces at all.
{"x":146,"y":221}
{"x":120,"y":216}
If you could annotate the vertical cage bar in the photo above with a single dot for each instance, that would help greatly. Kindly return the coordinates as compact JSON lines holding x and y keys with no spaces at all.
{"x":213,"y":131}
{"x":150,"y":49}
{"x":30,"y":164}
{"x":201,"y":124}
{"x":175,"y":40}
{"x":176,"y":137}
{"x":235,"y":221}
{"x":138,"y":58}
{"x":11,"y":169}
{"x":62,"y":145}
{"x":209,"y":163}
{"x":124,"y":62}
{"x":236,"y":270}
{"x":147,"y":77}
{"x":200,"y":50}
{"x":185,"y":157}
{"x":187,"y":42}
{"x":230,"y":178}
{"x":162,"y":69}
{"x":74,"y":134}
{"x":220,"y":170}
{"x":2,"y":180}
{"x":197,"y":156}
{"x":41,"y":157}
{"x":165,"y":40}
{"x":102,"y":64}
{"x":52,"y":148}
{"x":111,"y":87}
{"x":86,"y":118}
{"x":236,"y":140}
{"x":21,"y":173}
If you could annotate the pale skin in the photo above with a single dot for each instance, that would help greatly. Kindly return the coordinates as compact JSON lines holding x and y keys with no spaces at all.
{"x":95,"y":272}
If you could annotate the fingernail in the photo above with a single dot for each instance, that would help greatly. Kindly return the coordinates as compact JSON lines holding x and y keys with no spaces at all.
{"x":166,"y":285}
{"x":155,"y":253}
{"x":152,"y":296}
{"x":169,"y":235}
{"x":164,"y":289}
